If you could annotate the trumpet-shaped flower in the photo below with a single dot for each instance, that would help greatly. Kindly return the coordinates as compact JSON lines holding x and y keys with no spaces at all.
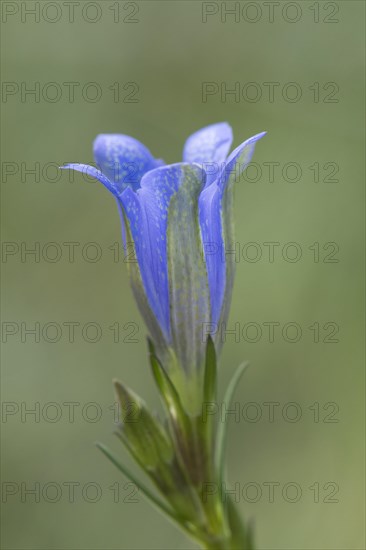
{"x":180,"y":220}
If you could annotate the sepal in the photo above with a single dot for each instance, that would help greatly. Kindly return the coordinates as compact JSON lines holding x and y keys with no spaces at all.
{"x":209,"y":400}
{"x":148,"y":494}
{"x":222,"y":429}
{"x":210,"y":380}
{"x":141,"y":432}
{"x":156,"y":452}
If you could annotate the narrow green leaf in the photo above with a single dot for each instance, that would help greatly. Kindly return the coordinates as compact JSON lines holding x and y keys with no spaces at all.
{"x":159,"y":504}
{"x":180,"y":424}
{"x":188,"y":527}
{"x":147,"y":438}
{"x":207,"y":424}
{"x":210,"y":372}
{"x":222,"y":430}
{"x":167,"y":390}
{"x":151,"y":346}
{"x":241,"y":533}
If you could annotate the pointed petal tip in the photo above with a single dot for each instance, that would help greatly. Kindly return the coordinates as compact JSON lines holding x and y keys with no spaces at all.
{"x":257,"y":137}
{"x":92,"y":172}
{"x":79,"y":166}
{"x":68,"y":166}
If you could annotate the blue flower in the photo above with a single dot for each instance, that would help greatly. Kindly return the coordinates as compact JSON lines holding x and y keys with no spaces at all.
{"x":180,"y":220}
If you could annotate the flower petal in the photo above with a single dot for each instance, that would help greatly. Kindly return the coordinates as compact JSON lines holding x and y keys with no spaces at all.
{"x":134,"y":233}
{"x":238,"y":160}
{"x":210,"y":215}
{"x":216,"y":221}
{"x":147,"y":213}
{"x":209,"y":147}
{"x":188,"y":283}
{"x":123,"y":159}
{"x":93,"y":173}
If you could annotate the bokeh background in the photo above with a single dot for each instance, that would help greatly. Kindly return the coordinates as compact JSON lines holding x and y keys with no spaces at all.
{"x":167,"y":50}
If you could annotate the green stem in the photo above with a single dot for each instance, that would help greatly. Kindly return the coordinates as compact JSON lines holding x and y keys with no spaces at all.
{"x":234,"y":537}
{"x":223,"y":528}
{"x":195,"y":497}
{"x":241,"y":536}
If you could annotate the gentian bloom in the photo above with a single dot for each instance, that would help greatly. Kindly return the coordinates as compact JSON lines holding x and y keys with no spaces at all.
{"x":180,"y":219}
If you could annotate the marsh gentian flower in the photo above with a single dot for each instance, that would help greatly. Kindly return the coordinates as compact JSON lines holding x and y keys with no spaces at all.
{"x":180,"y":220}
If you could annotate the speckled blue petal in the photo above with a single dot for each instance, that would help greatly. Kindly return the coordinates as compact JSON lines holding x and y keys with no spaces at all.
{"x":216,"y":221}
{"x":237,"y":161}
{"x":189,"y":294}
{"x":123,"y":159}
{"x":209,"y":147}
{"x":147,"y":213}
{"x":210,"y":215}
{"x":93,"y":173}
{"x":133,"y":222}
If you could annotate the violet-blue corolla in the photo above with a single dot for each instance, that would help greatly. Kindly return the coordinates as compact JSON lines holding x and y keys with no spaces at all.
{"x":180,"y":219}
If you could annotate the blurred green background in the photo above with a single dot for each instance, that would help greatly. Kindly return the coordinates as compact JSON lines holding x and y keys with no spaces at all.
{"x":169,"y":52}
